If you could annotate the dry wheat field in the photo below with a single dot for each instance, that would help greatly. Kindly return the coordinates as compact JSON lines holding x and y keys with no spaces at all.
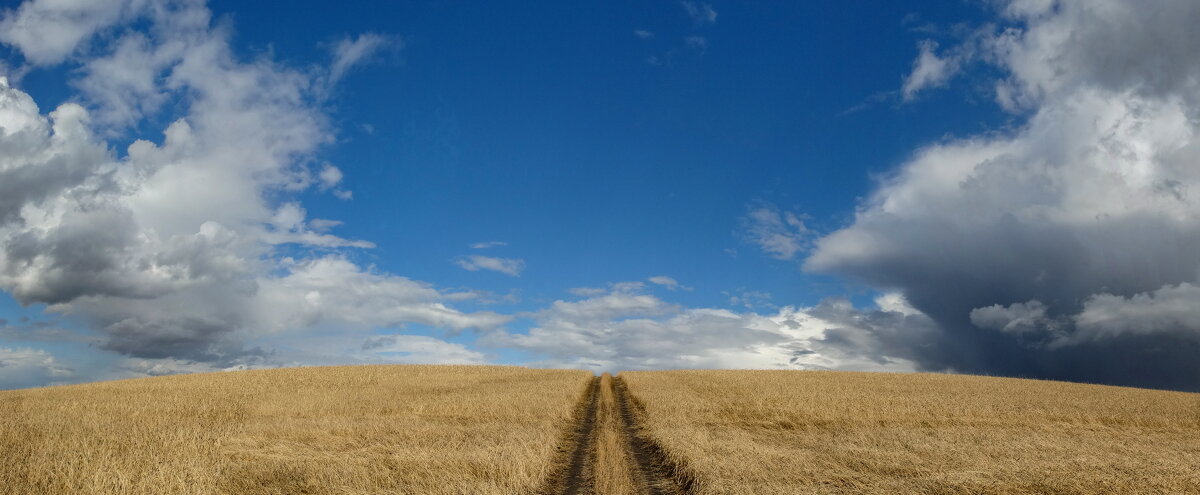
{"x":784,"y":432}
{"x":510,"y":430}
{"x":335,"y":430}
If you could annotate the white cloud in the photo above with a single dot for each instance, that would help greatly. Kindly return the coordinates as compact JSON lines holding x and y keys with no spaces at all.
{"x":348,"y":53}
{"x":780,"y":234}
{"x":330,"y":176}
{"x":488,"y":245}
{"x":696,"y":42}
{"x":625,"y":329}
{"x":895,"y":302}
{"x":25,"y":367}
{"x":587,"y":291}
{"x":929,"y":70}
{"x":1017,"y":318}
{"x":333,"y":292}
{"x":47,"y":31}
{"x":507,"y":266}
{"x":1171,"y":309}
{"x":643,"y":34}
{"x":170,"y":249}
{"x":419,"y":349}
{"x":668,"y":282}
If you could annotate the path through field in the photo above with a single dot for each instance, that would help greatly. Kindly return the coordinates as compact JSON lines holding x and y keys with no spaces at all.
{"x":607,"y":453}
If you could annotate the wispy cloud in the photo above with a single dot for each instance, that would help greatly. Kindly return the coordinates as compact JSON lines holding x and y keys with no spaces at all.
{"x":507,"y":266}
{"x":488,"y":244}
{"x":929,"y":70}
{"x":667,"y":282}
{"x":700,"y":13}
{"x":750,"y":299}
{"x":348,"y":53}
{"x":781,"y":234}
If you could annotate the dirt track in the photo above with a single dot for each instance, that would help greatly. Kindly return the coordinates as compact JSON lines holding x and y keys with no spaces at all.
{"x":647,"y":469}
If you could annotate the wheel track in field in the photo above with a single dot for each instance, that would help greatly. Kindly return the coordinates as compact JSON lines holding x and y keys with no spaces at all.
{"x":655,"y":471}
{"x":649,"y":468}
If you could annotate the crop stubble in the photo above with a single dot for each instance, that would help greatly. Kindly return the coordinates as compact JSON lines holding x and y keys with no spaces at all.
{"x":345,"y":430}
{"x":810,"y":432}
{"x":607,"y":452}
{"x":508,"y":430}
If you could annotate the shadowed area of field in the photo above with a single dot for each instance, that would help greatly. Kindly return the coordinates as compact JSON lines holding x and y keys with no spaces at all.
{"x":760,"y":432}
{"x":360,"y":429}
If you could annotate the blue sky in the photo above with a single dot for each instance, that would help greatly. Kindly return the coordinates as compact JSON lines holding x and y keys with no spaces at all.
{"x":611,"y":185}
{"x":544,"y":126}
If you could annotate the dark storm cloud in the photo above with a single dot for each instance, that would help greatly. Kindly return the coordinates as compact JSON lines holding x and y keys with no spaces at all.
{"x":194,"y":338}
{"x":1059,"y":250}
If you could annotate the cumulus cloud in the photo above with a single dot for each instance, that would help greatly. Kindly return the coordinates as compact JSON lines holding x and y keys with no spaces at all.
{"x":780,"y":234}
{"x":1170,"y":310}
{"x":1017,"y":318}
{"x":1068,"y":246}
{"x":507,"y":266}
{"x":330,"y":176}
{"x":170,"y":249}
{"x":624,"y":328}
{"x":47,"y":32}
{"x":332,"y":291}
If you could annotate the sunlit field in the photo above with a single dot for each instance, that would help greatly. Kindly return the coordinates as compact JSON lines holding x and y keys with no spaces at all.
{"x":343,"y":430}
{"x":748,"y":432}
{"x":509,"y":430}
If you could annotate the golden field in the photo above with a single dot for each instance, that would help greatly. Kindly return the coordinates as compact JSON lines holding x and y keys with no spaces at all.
{"x":614,"y":469}
{"x":510,"y":430}
{"x":336,"y":430}
{"x":758,"y":432}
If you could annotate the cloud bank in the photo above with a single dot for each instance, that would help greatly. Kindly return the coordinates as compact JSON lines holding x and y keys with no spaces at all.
{"x":625,"y":328}
{"x":171,"y":249}
{"x":1068,"y":247}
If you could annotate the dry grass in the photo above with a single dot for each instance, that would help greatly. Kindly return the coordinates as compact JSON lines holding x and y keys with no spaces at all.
{"x":342,"y":430}
{"x":754,"y":432}
{"x":613,"y":466}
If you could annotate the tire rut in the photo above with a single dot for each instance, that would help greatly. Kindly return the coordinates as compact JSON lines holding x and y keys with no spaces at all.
{"x":654,"y":469}
{"x":647,"y":465}
{"x":576,"y":476}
